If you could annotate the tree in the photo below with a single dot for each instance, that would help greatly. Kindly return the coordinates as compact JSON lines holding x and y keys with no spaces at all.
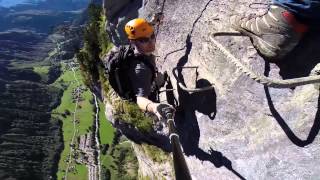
{"x":67,"y":112}
{"x":89,"y":56}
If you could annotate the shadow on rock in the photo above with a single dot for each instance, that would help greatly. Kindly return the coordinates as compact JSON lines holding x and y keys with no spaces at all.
{"x":188,"y":128}
{"x":186,"y":120}
{"x":293,"y":138}
{"x":304,"y":57}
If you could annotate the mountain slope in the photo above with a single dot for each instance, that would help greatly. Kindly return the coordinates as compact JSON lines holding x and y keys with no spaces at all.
{"x":30,"y":138}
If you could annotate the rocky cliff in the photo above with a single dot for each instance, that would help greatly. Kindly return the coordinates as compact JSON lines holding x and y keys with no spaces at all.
{"x":239,"y":129}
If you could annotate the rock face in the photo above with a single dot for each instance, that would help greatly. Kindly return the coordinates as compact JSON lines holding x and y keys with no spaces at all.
{"x":240,"y":129}
{"x":151,"y":169}
{"x":119,"y":13}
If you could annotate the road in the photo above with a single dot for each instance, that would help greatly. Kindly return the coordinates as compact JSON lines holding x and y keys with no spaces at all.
{"x":74,"y":122}
{"x":95,"y":170}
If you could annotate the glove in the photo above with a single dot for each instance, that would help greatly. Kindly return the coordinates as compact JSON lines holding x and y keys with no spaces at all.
{"x":164,"y":111}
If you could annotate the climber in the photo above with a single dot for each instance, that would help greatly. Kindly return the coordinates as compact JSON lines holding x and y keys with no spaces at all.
{"x":278,"y":31}
{"x":145,"y":81}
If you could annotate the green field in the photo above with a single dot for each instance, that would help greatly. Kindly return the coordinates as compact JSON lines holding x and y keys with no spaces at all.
{"x":119,"y":160}
{"x":43,"y":71}
{"x":106,"y":129}
{"x":81,"y":173}
{"x":106,"y":132}
{"x":84,"y":115}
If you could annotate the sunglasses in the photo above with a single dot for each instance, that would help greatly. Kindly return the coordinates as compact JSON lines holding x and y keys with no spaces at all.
{"x":146,"y":40}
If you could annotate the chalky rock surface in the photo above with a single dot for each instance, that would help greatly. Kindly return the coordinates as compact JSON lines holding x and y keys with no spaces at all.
{"x":240,"y":129}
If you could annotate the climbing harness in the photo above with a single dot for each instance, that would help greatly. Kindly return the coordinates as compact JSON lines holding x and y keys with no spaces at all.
{"x":275,"y":83}
{"x":183,"y":87}
{"x":180,"y":166}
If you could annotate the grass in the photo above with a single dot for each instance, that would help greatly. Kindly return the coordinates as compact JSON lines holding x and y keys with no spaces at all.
{"x":81,"y":173}
{"x":126,"y":162}
{"x":122,"y":163}
{"x":43,"y":71}
{"x":84,"y":115}
{"x":156,"y":154}
{"x":107,"y":162}
{"x":103,"y":37}
{"x":106,"y":129}
{"x":106,"y":136}
{"x":20,"y":64}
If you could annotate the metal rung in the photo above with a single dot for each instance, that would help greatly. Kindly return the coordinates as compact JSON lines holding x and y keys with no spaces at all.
{"x":183,"y":87}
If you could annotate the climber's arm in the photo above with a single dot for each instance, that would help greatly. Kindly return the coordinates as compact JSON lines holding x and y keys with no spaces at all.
{"x":146,"y":105}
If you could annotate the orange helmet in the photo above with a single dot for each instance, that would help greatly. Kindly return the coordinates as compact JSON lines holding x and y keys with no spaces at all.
{"x":138,"y":28}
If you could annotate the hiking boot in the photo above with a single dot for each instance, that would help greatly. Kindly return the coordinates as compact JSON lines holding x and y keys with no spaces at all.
{"x":273,"y":34}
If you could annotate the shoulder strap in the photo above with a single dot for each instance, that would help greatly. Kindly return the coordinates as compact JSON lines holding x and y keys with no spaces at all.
{"x":150,"y":66}
{"x":126,"y":52}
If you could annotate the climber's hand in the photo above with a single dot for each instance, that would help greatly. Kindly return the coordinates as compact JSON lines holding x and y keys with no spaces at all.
{"x":163,"y":111}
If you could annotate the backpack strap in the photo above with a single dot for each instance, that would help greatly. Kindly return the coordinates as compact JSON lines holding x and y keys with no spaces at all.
{"x":150,"y":66}
{"x":155,"y":92}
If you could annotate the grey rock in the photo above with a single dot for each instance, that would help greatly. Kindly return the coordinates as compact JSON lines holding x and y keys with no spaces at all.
{"x":119,"y":13}
{"x":240,"y":129}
